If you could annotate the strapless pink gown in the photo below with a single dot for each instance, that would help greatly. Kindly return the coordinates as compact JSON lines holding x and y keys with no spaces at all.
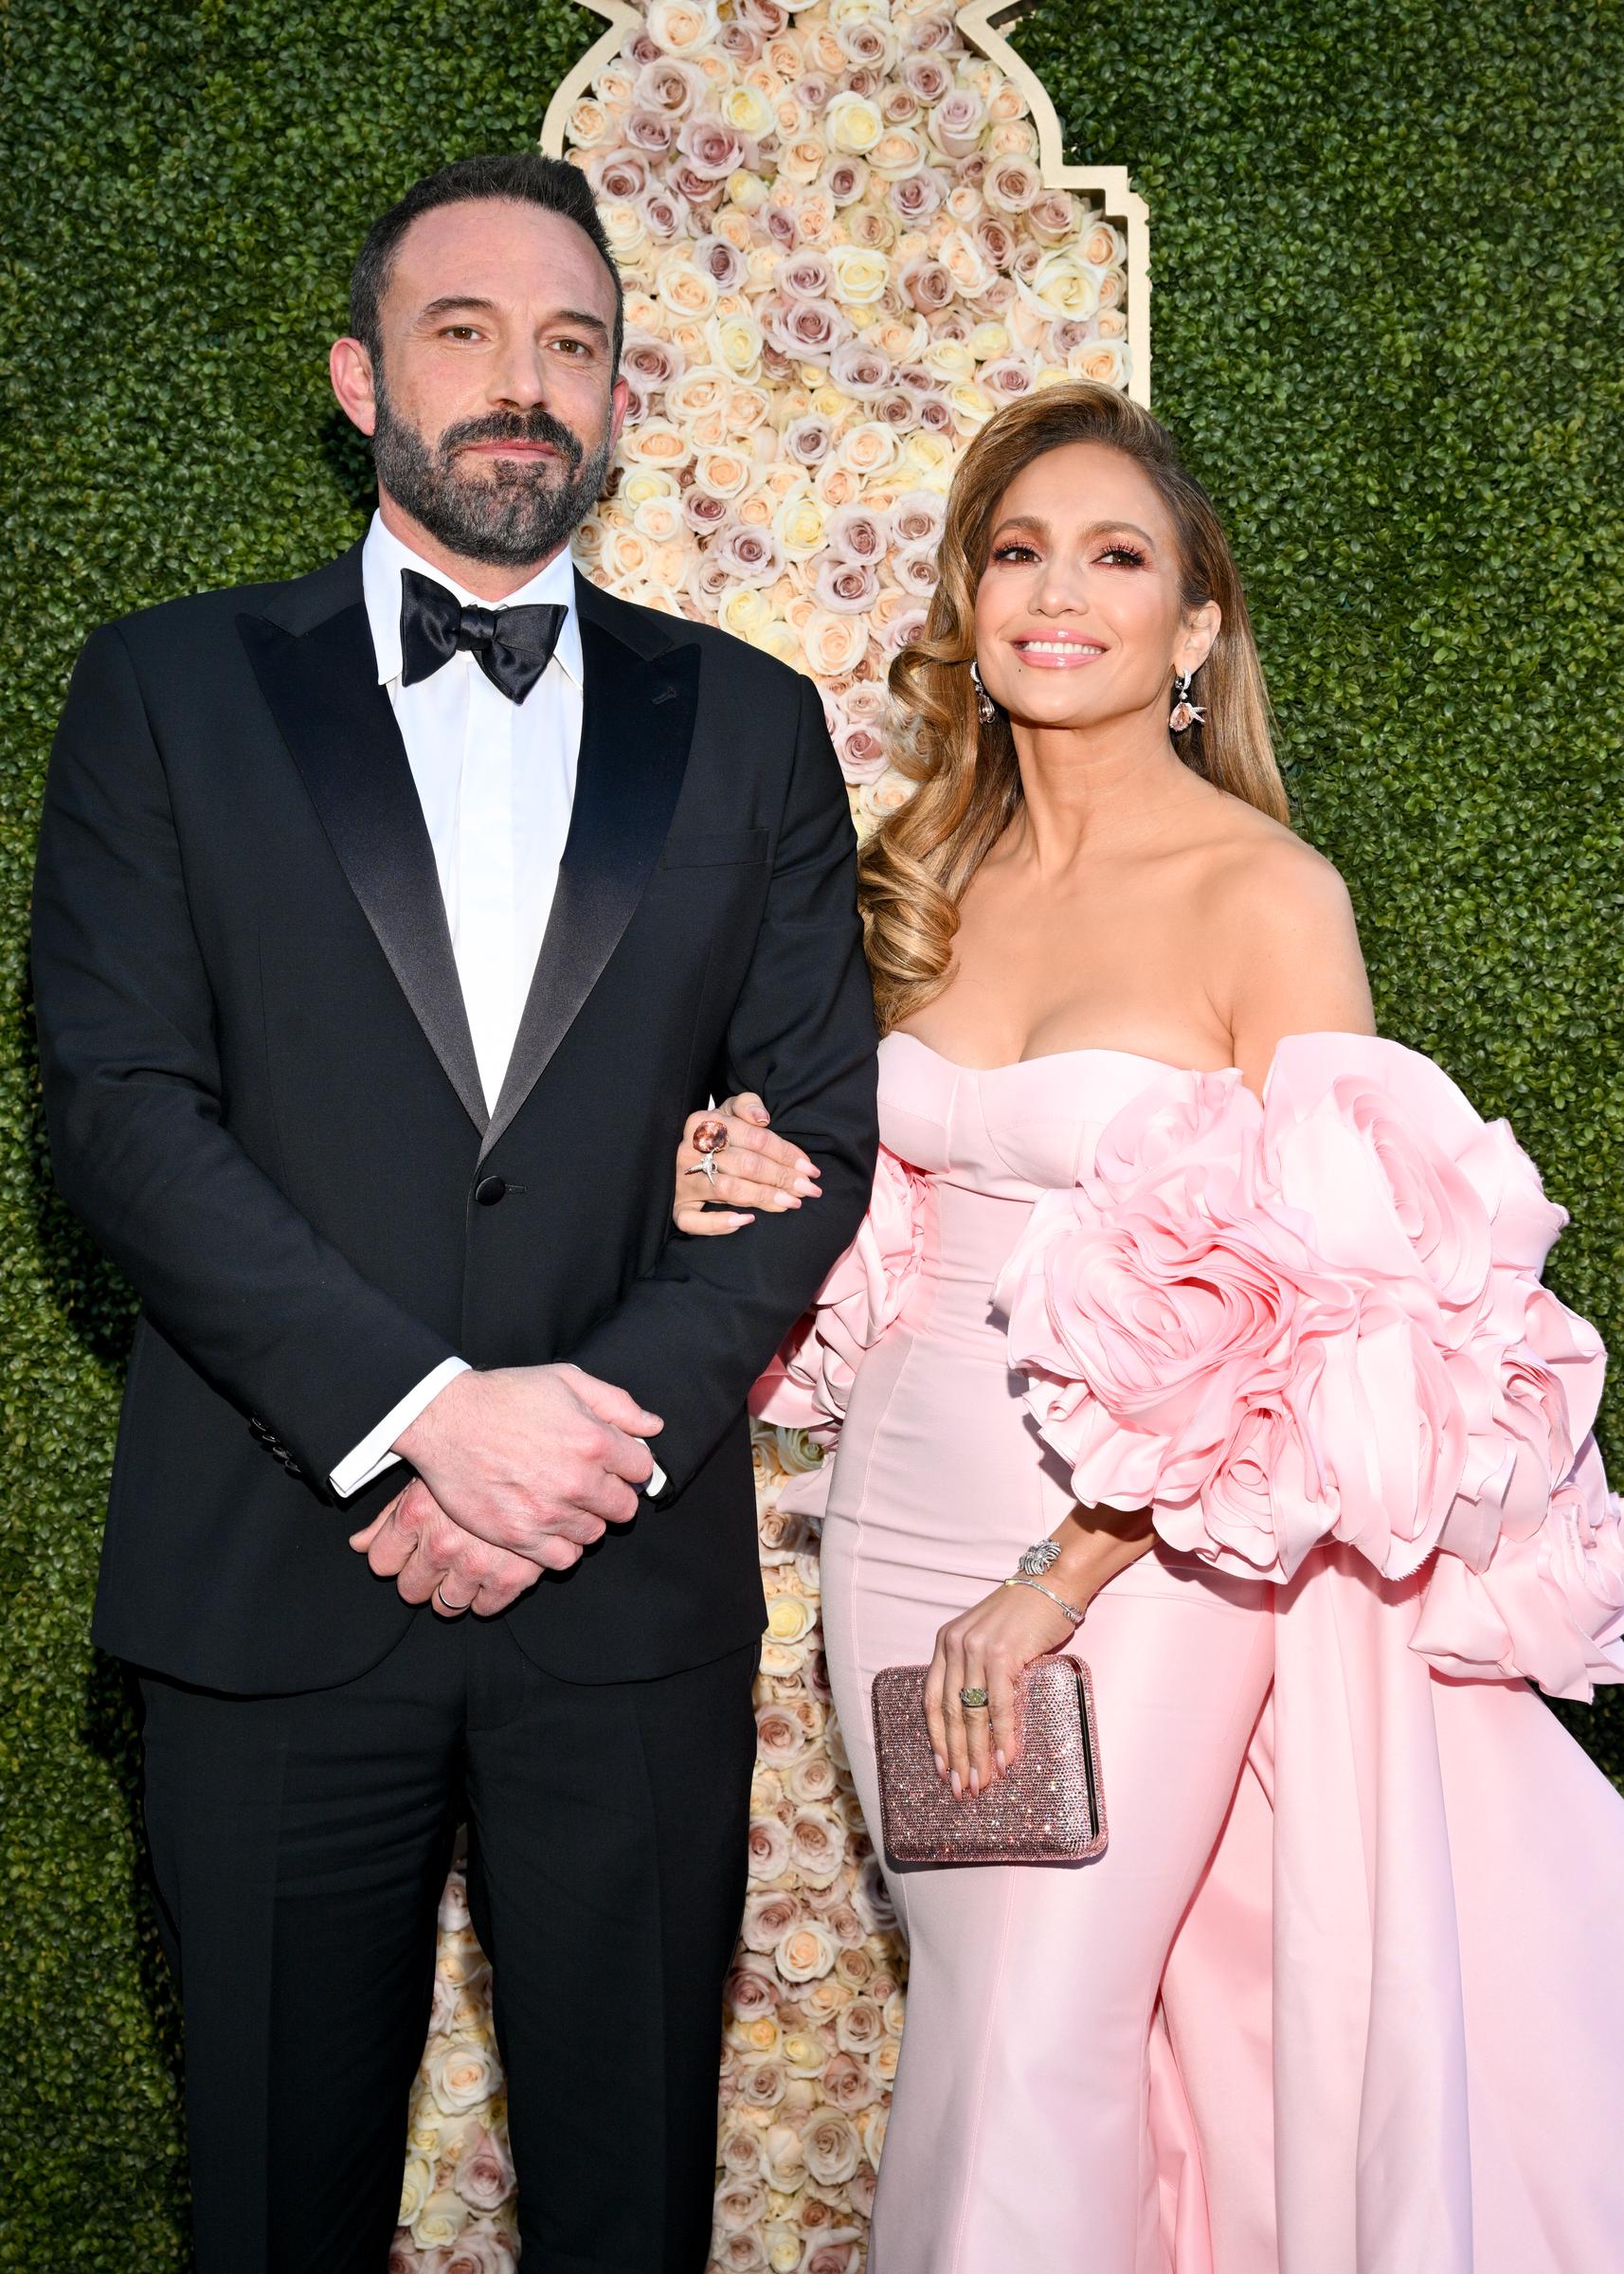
{"x":1344,"y":1996}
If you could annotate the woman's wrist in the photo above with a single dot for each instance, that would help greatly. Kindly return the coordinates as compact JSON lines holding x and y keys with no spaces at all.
{"x":1094,"y":1548}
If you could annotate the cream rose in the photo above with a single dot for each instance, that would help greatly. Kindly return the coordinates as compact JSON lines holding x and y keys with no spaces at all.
{"x":798,"y":526}
{"x":440,"y":2220}
{"x":1060,"y":285}
{"x":748,"y":109}
{"x":859,"y":277}
{"x":460,"y":2075}
{"x":745,"y":612}
{"x":783,"y":2159}
{"x":588,"y":125}
{"x":1105,"y":360}
{"x":416,"y":2181}
{"x":806,"y":1952}
{"x":833,"y":643}
{"x":852,"y":123}
{"x":791,"y":1619}
{"x":833,"y":2149}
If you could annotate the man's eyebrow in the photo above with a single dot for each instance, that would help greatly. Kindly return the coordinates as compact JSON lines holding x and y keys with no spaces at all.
{"x":472,"y":303}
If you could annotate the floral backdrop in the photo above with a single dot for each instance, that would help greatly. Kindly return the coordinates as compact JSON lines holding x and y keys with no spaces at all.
{"x":839,"y":256}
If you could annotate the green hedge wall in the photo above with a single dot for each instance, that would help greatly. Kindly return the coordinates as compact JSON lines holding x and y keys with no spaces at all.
{"x":1388,"y":298}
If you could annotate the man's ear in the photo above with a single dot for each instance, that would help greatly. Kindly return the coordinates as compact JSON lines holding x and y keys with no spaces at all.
{"x":620,"y":395}
{"x":349,"y":367}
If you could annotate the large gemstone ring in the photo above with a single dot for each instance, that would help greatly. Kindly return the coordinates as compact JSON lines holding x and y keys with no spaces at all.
{"x":973,"y":1698}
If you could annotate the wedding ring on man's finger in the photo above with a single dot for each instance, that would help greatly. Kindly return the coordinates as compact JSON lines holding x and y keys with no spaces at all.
{"x":456,"y":1610}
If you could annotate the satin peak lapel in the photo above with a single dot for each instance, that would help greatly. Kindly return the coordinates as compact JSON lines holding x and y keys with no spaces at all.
{"x":323,"y":692}
{"x":637,"y":723}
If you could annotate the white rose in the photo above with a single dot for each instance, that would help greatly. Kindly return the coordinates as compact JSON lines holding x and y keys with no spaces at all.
{"x":781,"y":640}
{"x":867,"y":448}
{"x":789,"y":1618}
{"x":416,"y":2180}
{"x":806,"y":1952}
{"x":745,"y":612}
{"x":440,"y":2220}
{"x":736,"y":343}
{"x":799,"y":525}
{"x":655,"y":442}
{"x":1105,"y":360}
{"x":782,"y":2247}
{"x":588,"y":125}
{"x":625,"y":229}
{"x":461,"y":2075}
{"x":748,"y":109}
{"x":683,"y":26}
{"x":952,"y":360}
{"x":860,"y":276}
{"x":684,"y":288}
{"x":971,"y":406}
{"x":852,"y":123}
{"x":1060,"y":285}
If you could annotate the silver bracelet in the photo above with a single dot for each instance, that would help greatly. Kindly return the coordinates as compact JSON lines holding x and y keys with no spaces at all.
{"x":1022,"y":1579}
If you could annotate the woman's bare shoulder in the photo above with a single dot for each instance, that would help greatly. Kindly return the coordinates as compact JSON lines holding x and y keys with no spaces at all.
{"x":1281,"y":938}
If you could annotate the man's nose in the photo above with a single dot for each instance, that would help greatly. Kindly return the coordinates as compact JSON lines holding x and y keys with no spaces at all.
{"x":520,"y":379}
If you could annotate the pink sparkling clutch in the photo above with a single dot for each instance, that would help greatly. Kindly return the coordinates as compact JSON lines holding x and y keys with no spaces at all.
{"x":1049,"y":1808}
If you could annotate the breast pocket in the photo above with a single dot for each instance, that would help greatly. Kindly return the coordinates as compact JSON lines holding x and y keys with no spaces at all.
{"x":715,"y":849}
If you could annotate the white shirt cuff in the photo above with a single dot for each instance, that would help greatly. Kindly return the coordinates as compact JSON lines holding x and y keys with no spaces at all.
{"x":656,"y":1482}
{"x":372,"y":1455}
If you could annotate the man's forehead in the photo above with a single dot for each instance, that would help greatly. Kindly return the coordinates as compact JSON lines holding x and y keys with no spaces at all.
{"x":499,"y":249}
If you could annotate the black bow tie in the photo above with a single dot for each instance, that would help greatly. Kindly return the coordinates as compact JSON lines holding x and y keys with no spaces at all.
{"x":511,"y":646}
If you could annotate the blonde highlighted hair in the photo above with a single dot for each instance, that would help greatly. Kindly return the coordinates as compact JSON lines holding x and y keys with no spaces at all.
{"x":914,"y":870}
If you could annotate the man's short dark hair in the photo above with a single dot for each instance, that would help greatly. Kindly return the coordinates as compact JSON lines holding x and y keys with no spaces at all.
{"x":527,"y":177}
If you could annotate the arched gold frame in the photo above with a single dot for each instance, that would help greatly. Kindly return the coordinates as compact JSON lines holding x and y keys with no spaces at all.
{"x":981,"y":22}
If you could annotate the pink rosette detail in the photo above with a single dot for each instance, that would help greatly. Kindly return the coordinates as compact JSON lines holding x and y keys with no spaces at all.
{"x":1547,"y":1605}
{"x":1174,"y":1328}
{"x":1320,"y":1318}
{"x":809,"y":1382}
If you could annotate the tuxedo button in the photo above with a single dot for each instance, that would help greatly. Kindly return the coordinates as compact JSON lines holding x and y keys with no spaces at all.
{"x":489,"y":1190}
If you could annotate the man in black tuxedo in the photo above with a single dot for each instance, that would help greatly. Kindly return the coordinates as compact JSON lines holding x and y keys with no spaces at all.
{"x":387,"y":924}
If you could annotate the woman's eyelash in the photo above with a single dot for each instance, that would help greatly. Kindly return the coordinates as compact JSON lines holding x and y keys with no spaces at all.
{"x":1122,"y":551}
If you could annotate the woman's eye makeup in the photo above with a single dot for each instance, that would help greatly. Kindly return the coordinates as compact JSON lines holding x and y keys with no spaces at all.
{"x":1120,"y":549}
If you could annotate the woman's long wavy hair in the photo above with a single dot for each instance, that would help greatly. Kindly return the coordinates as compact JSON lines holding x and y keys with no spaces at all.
{"x":915,"y":869}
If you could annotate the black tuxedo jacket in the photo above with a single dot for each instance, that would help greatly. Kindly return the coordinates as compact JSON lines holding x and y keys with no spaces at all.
{"x":262,"y":1099}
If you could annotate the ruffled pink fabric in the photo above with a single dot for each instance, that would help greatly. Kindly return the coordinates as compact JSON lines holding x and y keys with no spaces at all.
{"x":809,"y":1382}
{"x":1319,"y":1319}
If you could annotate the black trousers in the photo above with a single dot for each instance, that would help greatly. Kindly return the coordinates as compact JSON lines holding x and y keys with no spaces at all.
{"x":299,"y":1845}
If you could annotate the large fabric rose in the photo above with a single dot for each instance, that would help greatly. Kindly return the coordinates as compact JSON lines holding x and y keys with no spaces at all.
{"x":810,"y":1381}
{"x":1320,"y":1318}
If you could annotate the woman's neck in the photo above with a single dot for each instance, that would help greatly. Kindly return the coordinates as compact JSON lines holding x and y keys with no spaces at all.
{"x":1085,"y":792}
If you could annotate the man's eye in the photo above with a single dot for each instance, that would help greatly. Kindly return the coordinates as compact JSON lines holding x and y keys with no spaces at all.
{"x":460,"y":331}
{"x":578,"y":345}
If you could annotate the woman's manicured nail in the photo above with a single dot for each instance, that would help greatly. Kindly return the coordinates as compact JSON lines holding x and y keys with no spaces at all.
{"x":1002,"y":1764}
{"x":941,"y":1764}
{"x":785,"y":1200}
{"x":805,"y":1188}
{"x":958,"y":1788}
{"x":975,"y":1784}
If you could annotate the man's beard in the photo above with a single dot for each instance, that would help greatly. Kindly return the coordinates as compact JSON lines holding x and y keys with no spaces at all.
{"x":519,"y":511}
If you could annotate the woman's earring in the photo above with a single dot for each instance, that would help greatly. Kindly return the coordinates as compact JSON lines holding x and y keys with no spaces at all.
{"x":986,"y":710}
{"x":1185,"y":713}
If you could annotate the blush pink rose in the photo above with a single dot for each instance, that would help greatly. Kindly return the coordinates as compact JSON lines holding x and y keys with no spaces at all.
{"x":484,"y":2175}
{"x":481,"y":2250}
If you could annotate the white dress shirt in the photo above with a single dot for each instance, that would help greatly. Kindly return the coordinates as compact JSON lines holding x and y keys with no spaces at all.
{"x":497,"y":782}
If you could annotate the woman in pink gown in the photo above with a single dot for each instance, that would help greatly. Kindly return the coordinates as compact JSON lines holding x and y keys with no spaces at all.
{"x":1172,"y":1263}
